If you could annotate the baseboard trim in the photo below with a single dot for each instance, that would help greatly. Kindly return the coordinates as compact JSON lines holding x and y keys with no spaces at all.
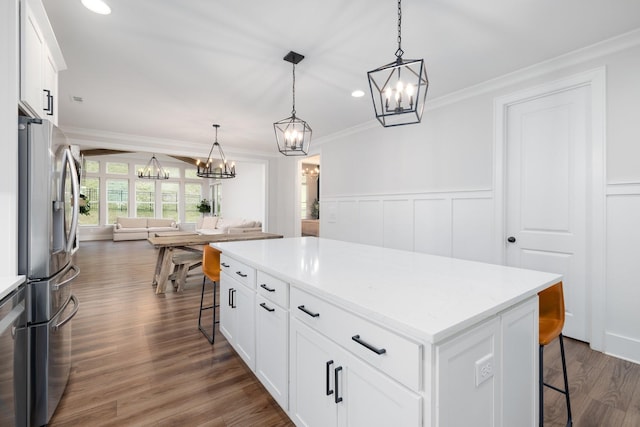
{"x":622,"y":347}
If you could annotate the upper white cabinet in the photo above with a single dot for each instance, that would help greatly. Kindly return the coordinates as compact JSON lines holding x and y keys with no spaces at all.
{"x":40,"y":62}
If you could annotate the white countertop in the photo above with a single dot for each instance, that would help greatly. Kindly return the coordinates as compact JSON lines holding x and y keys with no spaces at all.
{"x":425,"y":296}
{"x":8,"y":284}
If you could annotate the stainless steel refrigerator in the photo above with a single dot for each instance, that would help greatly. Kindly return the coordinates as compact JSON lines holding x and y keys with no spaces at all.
{"x":48,"y":200}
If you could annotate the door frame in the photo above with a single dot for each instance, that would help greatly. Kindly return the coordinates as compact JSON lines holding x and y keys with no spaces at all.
{"x":595,"y":79}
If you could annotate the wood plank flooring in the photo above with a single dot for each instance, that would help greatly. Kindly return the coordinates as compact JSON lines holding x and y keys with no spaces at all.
{"x":138,"y":359}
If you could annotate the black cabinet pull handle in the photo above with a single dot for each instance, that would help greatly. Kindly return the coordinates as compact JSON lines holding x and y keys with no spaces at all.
{"x":239,"y":273}
{"x":232,"y":294}
{"x":335,"y":372}
{"x":266,"y":288}
{"x":357,"y":339}
{"x":230,"y":300}
{"x":49,"y":108}
{"x":310,"y":313}
{"x":225,"y":265}
{"x":329,"y":391}
{"x":263,"y":305}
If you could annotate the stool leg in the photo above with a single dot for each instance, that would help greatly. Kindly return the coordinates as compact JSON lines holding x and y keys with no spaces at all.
{"x":541,"y":387}
{"x":213,"y":324}
{"x":566,"y":382}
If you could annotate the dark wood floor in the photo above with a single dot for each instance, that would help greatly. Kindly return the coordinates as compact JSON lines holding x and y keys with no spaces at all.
{"x":138,"y":359}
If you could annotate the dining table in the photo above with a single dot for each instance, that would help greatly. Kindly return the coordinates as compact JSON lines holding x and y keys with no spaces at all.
{"x":167,"y":242}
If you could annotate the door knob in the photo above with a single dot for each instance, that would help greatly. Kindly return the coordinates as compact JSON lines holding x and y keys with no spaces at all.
{"x":511,"y":239}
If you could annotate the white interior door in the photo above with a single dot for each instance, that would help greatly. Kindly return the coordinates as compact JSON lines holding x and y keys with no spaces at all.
{"x":546,"y":185}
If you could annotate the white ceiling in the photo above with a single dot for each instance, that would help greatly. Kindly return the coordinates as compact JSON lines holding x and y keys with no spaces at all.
{"x":170,"y":68}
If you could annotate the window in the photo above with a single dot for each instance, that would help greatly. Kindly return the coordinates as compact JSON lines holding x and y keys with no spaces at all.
{"x":91,"y":166}
{"x":169,"y":201}
{"x":118,"y":168}
{"x":303,"y":197}
{"x":113,"y":181}
{"x":192,"y":197}
{"x":191,"y":173}
{"x":117,"y":199}
{"x":90,"y":189}
{"x":145,"y":198}
{"x":174,"y":173}
{"x":217,"y":198}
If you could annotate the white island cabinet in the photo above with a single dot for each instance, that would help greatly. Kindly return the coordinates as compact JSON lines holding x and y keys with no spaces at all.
{"x":354,"y":335}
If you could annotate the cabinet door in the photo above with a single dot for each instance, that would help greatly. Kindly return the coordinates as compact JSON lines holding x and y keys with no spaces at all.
{"x":312,"y":377}
{"x":245,"y":339}
{"x":50,"y":88}
{"x":32,"y":46}
{"x":370,"y":398}
{"x":272,"y":349}
{"x":227,"y":313}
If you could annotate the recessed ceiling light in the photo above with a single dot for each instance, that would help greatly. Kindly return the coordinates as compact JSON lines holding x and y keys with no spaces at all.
{"x":97,"y":6}
{"x":357,"y":93}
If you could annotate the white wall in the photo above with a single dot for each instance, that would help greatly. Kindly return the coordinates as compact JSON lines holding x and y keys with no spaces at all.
{"x":429,"y":187}
{"x":244,"y":196}
{"x":9,"y":136}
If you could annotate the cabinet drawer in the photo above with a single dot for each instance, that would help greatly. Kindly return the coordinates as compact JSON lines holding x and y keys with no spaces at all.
{"x":387,"y":351}
{"x":273,"y":289}
{"x":238,"y":270}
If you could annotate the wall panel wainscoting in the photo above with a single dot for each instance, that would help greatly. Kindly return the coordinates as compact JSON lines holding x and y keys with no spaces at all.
{"x":458,"y":224}
{"x":622,"y":335}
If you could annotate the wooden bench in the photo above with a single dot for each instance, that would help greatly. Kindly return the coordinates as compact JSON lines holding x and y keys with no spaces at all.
{"x":184,"y":262}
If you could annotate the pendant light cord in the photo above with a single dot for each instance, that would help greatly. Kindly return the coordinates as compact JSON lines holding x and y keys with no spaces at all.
{"x":293,"y":108}
{"x":399,"y":52}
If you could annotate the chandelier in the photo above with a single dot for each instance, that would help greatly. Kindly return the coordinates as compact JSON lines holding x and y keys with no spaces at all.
{"x":216,"y":166}
{"x":293,"y":134}
{"x":399,"y":89}
{"x":153,"y":170}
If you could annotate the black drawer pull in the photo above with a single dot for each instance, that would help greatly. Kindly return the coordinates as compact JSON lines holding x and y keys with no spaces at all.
{"x":263,"y":305}
{"x":266,"y":288}
{"x":310,"y":313}
{"x":225,"y":265}
{"x":329,"y":391}
{"x":357,"y":339}
{"x":239,"y":273}
{"x":337,"y":370}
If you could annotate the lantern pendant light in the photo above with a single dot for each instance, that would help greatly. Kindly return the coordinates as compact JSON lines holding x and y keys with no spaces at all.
{"x":216,"y":165}
{"x":293,"y":134}
{"x":399,"y":89}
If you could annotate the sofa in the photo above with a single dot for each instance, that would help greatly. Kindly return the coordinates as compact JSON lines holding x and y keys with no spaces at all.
{"x":218,"y":225}
{"x":140,"y":228}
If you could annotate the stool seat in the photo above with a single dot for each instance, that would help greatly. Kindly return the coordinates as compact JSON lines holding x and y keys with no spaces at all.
{"x":550,"y":329}
{"x":211,"y":270}
{"x":551,"y":322}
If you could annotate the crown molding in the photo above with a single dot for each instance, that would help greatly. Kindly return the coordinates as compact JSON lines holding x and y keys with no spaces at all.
{"x":600,"y":49}
{"x":92,"y":138}
{"x":597,"y":50}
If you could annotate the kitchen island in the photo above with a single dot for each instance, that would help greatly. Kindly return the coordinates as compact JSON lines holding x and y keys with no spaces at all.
{"x":349,"y":334}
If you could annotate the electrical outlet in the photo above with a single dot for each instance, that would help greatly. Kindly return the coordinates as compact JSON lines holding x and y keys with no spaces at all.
{"x":484,"y":369}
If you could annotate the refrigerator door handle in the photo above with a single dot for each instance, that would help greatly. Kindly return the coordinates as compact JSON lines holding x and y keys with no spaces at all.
{"x":70,"y":316}
{"x":75,"y":202}
{"x":75,"y":268}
